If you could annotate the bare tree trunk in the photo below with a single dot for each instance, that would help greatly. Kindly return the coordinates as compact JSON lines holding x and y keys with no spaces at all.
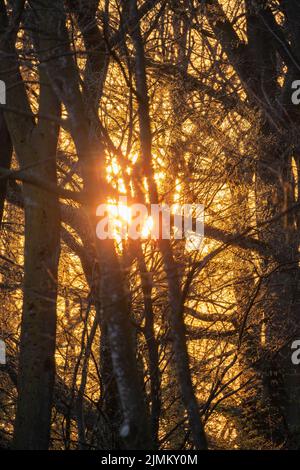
{"x":151,"y":341}
{"x":35,"y":147}
{"x":38,"y":330}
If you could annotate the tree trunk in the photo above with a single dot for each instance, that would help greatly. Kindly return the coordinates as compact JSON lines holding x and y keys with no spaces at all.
{"x":5,"y":159}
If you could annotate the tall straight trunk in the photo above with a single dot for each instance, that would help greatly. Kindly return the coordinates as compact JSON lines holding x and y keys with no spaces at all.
{"x":5,"y":159}
{"x":38,"y":328}
{"x":152,"y":344}
{"x":35,"y":146}
{"x":110,"y":399}
{"x":41,"y":257}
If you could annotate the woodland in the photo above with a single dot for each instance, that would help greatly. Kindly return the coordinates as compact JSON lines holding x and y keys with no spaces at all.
{"x":150,"y":343}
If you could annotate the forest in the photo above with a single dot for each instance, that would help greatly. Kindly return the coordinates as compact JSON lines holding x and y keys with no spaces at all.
{"x":161,"y":343}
